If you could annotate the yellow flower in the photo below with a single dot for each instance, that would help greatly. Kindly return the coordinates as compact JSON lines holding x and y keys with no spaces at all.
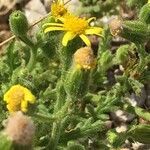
{"x":84,"y":58}
{"x":73,"y":26}
{"x":17,"y":98}
{"x":58,"y":9}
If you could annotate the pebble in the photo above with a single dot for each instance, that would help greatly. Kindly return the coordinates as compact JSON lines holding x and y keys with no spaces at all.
{"x":121,"y":128}
{"x":138,"y":100}
{"x":140,"y":146}
{"x":33,"y":12}
{"x":121,"y":116}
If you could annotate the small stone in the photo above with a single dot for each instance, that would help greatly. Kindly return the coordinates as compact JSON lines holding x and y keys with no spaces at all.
{"x":121,"y":116}
{"x":138,"y":100}
{"x":33,"y":12}
{"x":121,"y":128}
{"x":140,"y":146}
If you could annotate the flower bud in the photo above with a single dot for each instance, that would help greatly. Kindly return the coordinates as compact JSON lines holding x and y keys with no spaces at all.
{"x":84,"y":58}
{"x":18,"y":23}
{"x":77,"y":79}
{"x":20,"y":129}
{"x":144,"y":15}
{"x":135,"y":31}
{"x":115,"y":27}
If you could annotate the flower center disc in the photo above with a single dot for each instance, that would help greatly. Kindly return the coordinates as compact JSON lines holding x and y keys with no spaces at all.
{"x":75,"y":24}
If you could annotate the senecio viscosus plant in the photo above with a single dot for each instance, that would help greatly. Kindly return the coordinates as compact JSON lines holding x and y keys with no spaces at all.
{"x":55,"y":90}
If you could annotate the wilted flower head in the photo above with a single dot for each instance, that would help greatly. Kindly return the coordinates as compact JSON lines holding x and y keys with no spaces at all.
{"x":20,"y":128}
{"x":84,"y":58}
{"x":115,"y":27}
{"x":17,"y":98}
{"x":73,"y":26}
{"x":58,"y":9}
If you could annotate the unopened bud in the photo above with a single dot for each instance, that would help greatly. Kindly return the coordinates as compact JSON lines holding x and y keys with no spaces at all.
{"x":115,"y":27}
{"x":18,"y":23}
{"x":77,"y":80}
{"x":135,"y":31}
{"x":84,"y":58}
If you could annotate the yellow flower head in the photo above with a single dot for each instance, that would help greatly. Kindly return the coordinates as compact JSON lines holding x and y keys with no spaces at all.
{"x":17,"y":98}
{"x":73,"y":26}
{"x":58,"y":9}
{"x":84,"y":58}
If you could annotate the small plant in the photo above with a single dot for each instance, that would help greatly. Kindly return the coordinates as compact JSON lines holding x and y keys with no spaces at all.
{"x":60,"y":81}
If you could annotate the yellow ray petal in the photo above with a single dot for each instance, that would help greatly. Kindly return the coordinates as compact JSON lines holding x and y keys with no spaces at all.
{"x":24,"y":106}
{"x":9,"y":108}
{"x":6,"y":97}
{"x":67,"y":37}
{"x":91,"y":19}
{"x":48,"y":29}
{"x":85,"y":40}
{"x":52,"y":24}
{"x":62,"y":19}
{"x":94,"y":30}
{"x":29,"y":97}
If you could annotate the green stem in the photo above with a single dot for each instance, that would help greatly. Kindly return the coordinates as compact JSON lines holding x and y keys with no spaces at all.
{"x":44,"y":118}
{"x":27,"y":41}
{"x":56,"y":129}
{"x":60,"y":96}
{"x":32,"y":60}
{"x":33,"y":51}
{"x":55,"y":135}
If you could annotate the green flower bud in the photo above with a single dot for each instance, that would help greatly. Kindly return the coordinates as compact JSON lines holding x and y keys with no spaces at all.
{"x":18,"y":23}
{"x":122,"y":54}
{"x":135,"y":31}
{"x":144,"y":15}
{"x":140,"y":133}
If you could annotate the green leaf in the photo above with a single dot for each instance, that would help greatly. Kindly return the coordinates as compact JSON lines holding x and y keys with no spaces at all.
{"x":5,"y":142}
{"x":142,"y":113}
{"x":140,"y":133}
